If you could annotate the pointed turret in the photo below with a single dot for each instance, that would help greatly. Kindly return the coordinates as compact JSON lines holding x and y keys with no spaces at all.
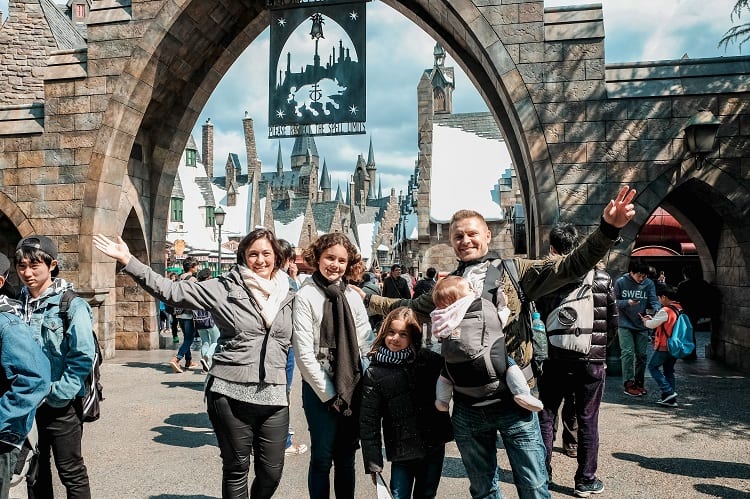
{"x":279,"y":162}
{"x":325,"y":183}
{"x":380,"y":190}
{"x":207,"y":142}
{"x":339,"y":196}
{"x":371,"y":192}
{"x":302,"y":145}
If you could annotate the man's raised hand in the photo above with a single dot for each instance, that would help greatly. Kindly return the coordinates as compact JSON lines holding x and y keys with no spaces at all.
{"x":115,"y":249}
{"x":620,"y":210}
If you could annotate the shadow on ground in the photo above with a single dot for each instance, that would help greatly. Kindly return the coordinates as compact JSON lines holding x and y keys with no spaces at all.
{"x":453,"y":467}
{"x":191,"y":430}
{"x":721,"y":491}
{"x":173,"y":496}
{"x":698,"y":468}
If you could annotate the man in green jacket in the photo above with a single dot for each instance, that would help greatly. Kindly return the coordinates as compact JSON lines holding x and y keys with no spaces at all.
{"x":476,"y":426}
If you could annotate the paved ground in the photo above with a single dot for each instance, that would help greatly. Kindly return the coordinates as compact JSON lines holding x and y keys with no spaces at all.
{"x":154,"y":440}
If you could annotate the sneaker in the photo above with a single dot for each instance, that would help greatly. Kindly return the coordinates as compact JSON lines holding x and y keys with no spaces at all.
{"x":204,"y":365}
{"x":295,"y":449}
{"x":570,"y":450}
{"x":642,"y":389}
{"x":175,"y":365}
{"x":175,"y":339}
{"x":632,"y":390}
{"x":595,"y":486}
{"x":668,"y":401}
{"x":191,"y":365}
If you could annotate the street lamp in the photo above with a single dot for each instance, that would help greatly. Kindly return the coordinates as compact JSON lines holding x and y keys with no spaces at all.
{"x":219,"y":215}
{"x":700,"y":135}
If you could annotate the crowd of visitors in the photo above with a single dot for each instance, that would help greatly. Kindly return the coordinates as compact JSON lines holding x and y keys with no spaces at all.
{"x":368,"y":373}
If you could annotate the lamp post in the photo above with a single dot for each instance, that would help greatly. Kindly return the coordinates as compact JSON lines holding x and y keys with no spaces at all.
{"x":700,"y":135}
{"x":219,"y":215}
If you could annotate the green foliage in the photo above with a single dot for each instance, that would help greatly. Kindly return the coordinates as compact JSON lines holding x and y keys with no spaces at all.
{"x":740,"y":33}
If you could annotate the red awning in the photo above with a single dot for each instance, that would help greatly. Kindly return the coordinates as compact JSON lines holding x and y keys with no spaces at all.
{"x":653,"y":251}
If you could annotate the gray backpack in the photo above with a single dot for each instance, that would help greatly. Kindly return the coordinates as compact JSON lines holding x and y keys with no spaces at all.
{"x":570,"y":324}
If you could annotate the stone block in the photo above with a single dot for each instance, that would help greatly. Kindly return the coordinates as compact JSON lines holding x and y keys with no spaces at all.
{"x":76,"y":140}
{"x":531,"y":12}
{"x":554,"y":132}
{"x":87,"y":121}
{"x":584,"y":131}
{"x":547,"y":92}
{"x":606,"y":110}
{"x":664,"y":129}
{"x":578,"y":173}
{"x":30,"y":192}
{"x":148,"y":340}
{"x":564,"y":71}
{"x":521,"y":33}
{"x":59,"y":88}
{"x":125,"y":340}
{"x":30,"y":159}
{"x":554,"y":51}
{"x":62,"y":192}
{"x":572,"y":194}
{"x":605,"y":152}
{"x":623,"y":172}
{"x":688,"y":106}
{"x":497,"y":15}
{"x":730,"y":105}
{"x":573,"y":31}
{"x":586,"y":90}
{"x":90,"y":86}
{"x":568,"y":153}
{"x":590,"y":51}
{"x":513,"y":83}
{"x":650,"y":150}
{"x":500,"y":58}
{"x":626,"y":130}
{"x":484,"y":33}
{"x":127,"y":309}
{"x":527,"y":115}
{"x":531,"y":73}
{"x":59,"y":123}
{"x":595,"y":69}
{"x":58,"y":157}
{"x":649,"y":108}
{"x":531,"y":52}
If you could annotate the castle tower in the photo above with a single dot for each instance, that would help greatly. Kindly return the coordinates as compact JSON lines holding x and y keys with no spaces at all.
{"x":279,"y":162}
{"x":442,"y":83}
{"x":371,"y":170}
{"x":361,"y":182}
{"x":207,"y":148}
{"x":325,"y":183}
{"x":299,"y":152}
{"x":253,"y":170}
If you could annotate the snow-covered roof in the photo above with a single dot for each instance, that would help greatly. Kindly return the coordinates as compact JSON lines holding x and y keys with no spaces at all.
{"x":366,"y":234}
{"x":477,"y":157}
{"x":412,"y":226}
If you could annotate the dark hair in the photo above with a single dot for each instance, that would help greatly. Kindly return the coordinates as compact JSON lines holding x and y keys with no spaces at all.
{"x":412,"y":326}
{"x":261,"y":233}
{"x":203,"y":274}
{"x":563,"y":237}
{"x":35,"y":255}
{"x":664,"y":289}
{"x":287,"y":250}
{"x":431,"y":273}
{"x":354,"y":267}
{"x":637,"y":266}
{"x":395,"y":266}
{"x":366,"y":277}
{"x":189,"y":263}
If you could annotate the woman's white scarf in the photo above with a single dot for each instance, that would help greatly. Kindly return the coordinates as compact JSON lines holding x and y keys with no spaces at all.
{"x":268,"y":293}
{"x":445,"y":320}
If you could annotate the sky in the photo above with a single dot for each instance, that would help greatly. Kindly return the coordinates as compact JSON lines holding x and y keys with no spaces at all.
{"x":398,"y":52}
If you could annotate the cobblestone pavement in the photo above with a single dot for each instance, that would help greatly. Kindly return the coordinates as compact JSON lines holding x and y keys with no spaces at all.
{"x":154,"y":439}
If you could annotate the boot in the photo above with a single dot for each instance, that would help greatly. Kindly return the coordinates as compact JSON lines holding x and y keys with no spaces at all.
{"x":175,"y":365}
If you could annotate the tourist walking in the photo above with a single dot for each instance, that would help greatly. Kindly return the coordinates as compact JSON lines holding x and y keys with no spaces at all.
{"x":205,"y":327}
{"x":395,"y":285}
{"x":663,"y":322}
{"x":426,"y":284}
{"x":185,"y":319}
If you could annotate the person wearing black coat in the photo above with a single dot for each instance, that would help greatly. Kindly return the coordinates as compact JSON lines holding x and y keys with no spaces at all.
{"x":582,"y":374}
{"x":399,"y":395}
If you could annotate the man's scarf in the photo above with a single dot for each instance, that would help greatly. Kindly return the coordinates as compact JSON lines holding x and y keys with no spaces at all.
{"x":338,"y":340}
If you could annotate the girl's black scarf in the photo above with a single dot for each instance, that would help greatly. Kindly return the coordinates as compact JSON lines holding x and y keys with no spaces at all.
{"x":338,"y":341}
{"x":385,"y":356}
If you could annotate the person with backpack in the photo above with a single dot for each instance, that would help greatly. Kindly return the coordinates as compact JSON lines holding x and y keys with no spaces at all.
{"x":70,"y":347}
{"x":522,"y":280}
{"x":395,"y":285}
{"x":426,"y":284}
{"x":206,"y":327}
{"x":664,"y":321}
{"x":24,"y":382}
{"x":577,"y":368}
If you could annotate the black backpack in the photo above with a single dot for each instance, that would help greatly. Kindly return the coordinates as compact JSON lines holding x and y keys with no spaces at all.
{"x":94,"y":390}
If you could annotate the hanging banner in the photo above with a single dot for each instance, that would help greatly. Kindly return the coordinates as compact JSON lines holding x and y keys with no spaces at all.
{"x":316,"y":83}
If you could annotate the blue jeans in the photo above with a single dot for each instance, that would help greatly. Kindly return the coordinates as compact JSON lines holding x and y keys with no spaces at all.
{"x":421,"y":475}
{"x":476,"y":436}
{"x":586,"y":381}
{"x":633,"y":352}
{"x":188,"y":335}
{"x":209,"y":337}
{"x":334,"y":438}
{"x":666,"y":380}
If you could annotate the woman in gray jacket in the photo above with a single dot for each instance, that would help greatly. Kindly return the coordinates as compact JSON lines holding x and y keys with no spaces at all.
{"x":246,"y":388}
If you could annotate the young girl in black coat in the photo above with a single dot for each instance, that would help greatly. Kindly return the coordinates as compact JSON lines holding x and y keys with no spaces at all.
{"x":399,"y":388}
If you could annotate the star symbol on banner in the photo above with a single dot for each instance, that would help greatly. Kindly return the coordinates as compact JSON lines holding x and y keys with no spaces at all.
{"x":353,"y":15}
{"x":279,"y":113}
{"x":281,"y":22}
{"x":353,"y":109}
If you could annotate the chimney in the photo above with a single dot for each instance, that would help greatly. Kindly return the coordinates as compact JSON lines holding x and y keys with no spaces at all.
{"x":208,"y":148}
{"x":251,"y":150}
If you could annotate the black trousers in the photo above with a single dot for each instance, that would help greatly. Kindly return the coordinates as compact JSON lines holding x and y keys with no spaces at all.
{"x":60,"y":432}
{"x":245,"y":429}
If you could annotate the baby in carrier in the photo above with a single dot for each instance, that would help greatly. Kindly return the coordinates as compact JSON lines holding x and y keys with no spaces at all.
{"x":473,"y":346}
